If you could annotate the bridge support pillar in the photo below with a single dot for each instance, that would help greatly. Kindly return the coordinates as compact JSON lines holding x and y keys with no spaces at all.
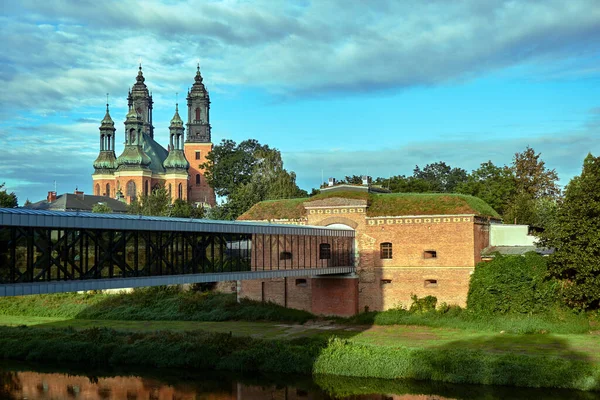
{"x":335,"y":295}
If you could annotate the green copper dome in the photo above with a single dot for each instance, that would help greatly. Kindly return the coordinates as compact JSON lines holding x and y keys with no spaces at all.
{"x":176,"y":160}
{"x":106,"y":161}
{"x":176,"y":121}
{"x":133,"y":157}
{"x":107,"y":120}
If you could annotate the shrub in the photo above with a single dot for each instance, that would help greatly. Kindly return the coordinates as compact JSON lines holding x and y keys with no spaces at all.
{"x":512,"y":284}
{"x":424,"y":304}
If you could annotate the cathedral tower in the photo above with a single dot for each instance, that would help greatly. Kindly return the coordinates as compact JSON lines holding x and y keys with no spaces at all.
{"x":176,"y":165}
{"x":198,"y":141}
{"x":133,"y":175}
{"x":106,"y":163}
{"x":141,"y":100}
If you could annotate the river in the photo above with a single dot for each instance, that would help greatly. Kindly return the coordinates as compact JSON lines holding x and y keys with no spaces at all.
{"x":34,"y":381}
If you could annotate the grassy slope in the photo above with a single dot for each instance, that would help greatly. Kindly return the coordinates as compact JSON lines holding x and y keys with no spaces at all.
{"x":432,"y":352}
{"x":452,"y":362}
{"x":379,"y":205}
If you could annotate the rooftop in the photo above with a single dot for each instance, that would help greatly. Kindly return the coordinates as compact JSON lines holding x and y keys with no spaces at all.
{"x":78,"y":202}
{"x":391,"y":204}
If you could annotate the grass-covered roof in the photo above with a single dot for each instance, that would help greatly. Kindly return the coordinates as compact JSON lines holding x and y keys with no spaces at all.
{"x":389,"y":204}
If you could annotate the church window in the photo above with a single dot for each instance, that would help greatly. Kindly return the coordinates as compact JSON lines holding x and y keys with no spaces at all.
{"x":197,"y":179}
{"x":198,"y":114}
{"x":385,"y":250}
{"x":169,"y":190}
{"x":132,"y":136}
{"x":180,"y":191}
{"x":131,"y":191}
{"x":97,"y":190}
{"x":101,"y":142}
{"x":107,"y":190}
{"x":146,"y":188}
{"x":324,"y":251}
{"x":197,"y":155}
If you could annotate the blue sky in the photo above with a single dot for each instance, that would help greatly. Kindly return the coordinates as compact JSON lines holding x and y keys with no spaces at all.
{"x":340,"y":87}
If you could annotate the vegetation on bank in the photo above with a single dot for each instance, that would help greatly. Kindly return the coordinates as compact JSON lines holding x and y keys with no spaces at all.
{"x":150,"y":304}
{"x":379,"y":205}
{"x":173,"y":304}
{"x":202,"y":350}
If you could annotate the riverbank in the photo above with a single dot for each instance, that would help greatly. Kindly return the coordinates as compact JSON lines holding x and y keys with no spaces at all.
{"x":454,"y":362}
{"x":169,"y":328}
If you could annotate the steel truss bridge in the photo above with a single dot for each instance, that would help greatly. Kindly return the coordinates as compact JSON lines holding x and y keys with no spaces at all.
{"x":49,"y":251}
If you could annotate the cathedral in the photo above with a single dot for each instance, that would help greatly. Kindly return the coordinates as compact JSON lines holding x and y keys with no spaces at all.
{"x":144,"y":164}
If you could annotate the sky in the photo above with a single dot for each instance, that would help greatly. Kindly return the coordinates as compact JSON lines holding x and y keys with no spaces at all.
{"x":340,"y":87}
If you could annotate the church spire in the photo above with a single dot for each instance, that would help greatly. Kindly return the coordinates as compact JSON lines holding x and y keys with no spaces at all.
{"x":198,"y":102}
{"x":106,"y":161}
{"x":141,"y":99}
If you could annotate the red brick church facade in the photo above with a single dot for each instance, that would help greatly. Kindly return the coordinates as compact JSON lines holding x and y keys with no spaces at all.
{"x":144,"y":164}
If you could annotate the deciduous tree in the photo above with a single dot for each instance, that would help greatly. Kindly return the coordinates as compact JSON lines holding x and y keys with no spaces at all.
{"x":8,"y":200}
{"x":574,"y":233}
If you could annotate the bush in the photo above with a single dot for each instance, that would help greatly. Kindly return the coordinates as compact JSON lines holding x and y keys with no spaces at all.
{"x":512,"y":284}
{"x":424,"y":304}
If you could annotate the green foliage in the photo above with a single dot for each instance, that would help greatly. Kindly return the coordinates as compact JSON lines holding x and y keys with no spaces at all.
{"x":161,"y":303}
{"x":458,"y":365}
{"x":512,"y":284}
{"x":248,"y":174}
{"x":454,"y":317}
{"x":424,"y":304}
{"x":574,"y":234}
{"x":494,"y":185}
{"x":183,"y":209}
{"x":7,"y":200}
{"x":379,"y":204}
{"x":101,"y":208}
{"x":440,"y":176}
{"x":469,"y":361}
{"x":158,"y":203}
{"x":536,"y":191}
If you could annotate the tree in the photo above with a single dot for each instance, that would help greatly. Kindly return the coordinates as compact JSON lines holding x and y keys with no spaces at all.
{"x":574,"y":234}
{"x":535,"y":190}
{"x":7,"y":200}
{"x":101,"y":208}
{"x":183,"y":209}
{"x":403,"y":184}
{"x":441,"y":176}
{"x":229,"y":165}
{"x":157,"y":203}
{"x":532,"y":177}
{"x":494,"y":185}
{"x":247,"y":174}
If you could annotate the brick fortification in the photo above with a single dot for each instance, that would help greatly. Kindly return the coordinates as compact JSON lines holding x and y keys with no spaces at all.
{"x":406,"y":244}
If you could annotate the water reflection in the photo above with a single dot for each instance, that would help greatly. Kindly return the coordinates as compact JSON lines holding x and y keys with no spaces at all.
{"x":36,"y":382}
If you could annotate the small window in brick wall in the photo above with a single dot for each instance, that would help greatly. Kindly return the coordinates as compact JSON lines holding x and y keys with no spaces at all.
{"x":285,"y":255}
{"x":386,"y":281}
{"x":324,"y":251}
{"x":430,"y":254}
{"x":430,"y":283}
{"x":301,"y":282}
{"x":385,"y":250}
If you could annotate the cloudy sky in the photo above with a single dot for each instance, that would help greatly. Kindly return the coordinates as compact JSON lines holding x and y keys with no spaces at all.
{"x":340,"y":87}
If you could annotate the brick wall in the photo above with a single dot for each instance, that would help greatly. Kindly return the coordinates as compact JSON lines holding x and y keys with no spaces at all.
{"x":457,"y":241}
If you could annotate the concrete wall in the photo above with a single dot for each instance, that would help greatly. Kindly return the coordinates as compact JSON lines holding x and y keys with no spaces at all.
{"x":510,"y":235}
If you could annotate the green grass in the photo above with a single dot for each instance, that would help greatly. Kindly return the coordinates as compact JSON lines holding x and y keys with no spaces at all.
{"x":171,"y":304}
{"x":379,"y":205}
{"x":150,"y":304}
{"x":555,"y":321}
{"x":458,"y":361}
